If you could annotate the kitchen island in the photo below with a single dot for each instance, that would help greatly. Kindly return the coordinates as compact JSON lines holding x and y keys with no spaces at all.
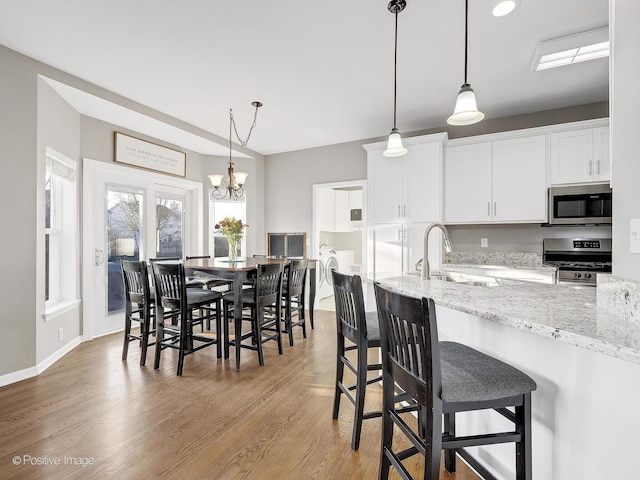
{"x":585,"y":361}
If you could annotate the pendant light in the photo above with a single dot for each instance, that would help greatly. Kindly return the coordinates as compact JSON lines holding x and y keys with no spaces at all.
{"x":466,"y":111}
{"x":394,"y":145}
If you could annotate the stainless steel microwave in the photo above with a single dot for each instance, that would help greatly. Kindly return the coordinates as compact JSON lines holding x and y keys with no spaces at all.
{"x":580,"y":205}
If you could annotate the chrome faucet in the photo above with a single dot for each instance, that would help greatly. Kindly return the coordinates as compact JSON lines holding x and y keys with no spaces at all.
{"x":448,"y":246}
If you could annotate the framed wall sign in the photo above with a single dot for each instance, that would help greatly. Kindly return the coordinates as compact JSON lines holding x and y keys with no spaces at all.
{"x":147,"y":155}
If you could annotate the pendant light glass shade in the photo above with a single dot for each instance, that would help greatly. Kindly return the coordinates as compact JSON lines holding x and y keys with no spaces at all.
{"x":394,"y":145}
{"x":466,"y":111}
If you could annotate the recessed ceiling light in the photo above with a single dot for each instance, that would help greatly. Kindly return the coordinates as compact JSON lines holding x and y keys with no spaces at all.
{"x":572,"y":49}
{"x":501,"y":8}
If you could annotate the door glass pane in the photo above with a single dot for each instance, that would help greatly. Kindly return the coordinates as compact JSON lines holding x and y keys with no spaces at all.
{"x":169,"y":225}
{"x":124,"y":239}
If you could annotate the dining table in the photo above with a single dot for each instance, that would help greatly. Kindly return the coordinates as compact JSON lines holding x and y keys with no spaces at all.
{"x":239,"y":271}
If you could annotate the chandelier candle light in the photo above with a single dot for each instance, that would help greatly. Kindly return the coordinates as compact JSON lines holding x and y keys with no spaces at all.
{"x":233,"y":184}
{"x":394,"y":144}
{"x":233,"y":229}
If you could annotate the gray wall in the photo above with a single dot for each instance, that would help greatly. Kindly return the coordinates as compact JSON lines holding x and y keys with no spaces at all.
{"x":58,"y":128}
{"x":290,"y":176}
{"x":18,"y":120}
{"x":624,"y":134}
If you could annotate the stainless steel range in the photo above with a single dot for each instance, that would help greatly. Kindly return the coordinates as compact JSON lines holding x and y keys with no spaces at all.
{"x":578,"y":259}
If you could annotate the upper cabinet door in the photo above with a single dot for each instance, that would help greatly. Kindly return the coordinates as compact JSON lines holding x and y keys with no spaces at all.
{"x":601,"y":155}
{"x":519,"y":180}
{"x":571,"y":156}
{"x":385,"y":177}
{"x":423,"y":179}
{"x":467,"y":183}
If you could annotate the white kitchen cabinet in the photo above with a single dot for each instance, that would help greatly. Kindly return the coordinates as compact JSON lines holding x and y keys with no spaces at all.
{"x":335,"y":214}
{"x":406,"y":189}
{"x":579,"y":156}
{"x":395,"y":249}
{"x":327,"y":211}
{"x":519,"y":188}
{"x":342,"y":210}
{"x":498,"y":182}
{"x":467,"y":183}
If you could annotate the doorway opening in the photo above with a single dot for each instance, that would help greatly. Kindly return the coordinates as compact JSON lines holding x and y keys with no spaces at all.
{"x":338,"y":235}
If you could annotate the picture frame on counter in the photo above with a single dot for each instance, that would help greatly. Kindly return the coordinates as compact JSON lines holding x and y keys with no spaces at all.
{"x":149,"y":156}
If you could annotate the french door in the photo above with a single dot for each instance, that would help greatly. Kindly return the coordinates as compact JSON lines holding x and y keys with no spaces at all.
{"x":130,"y":214}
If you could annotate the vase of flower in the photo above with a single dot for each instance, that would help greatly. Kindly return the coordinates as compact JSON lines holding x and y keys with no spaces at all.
{"x":234,"y":243}
{"x":233,"y":229}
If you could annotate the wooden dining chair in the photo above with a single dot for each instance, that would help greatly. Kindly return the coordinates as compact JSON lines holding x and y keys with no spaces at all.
{"x":174,"y":300}
{"x":263,"y":306}
{"x":444,"y":378}
{"x":293,"y":296}
{"x":357,"y":330}
{"x":139,"y":307}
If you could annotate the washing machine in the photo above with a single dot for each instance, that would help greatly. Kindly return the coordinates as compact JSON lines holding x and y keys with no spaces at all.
{"x":327,"y":261}
{"x":330,"y":259}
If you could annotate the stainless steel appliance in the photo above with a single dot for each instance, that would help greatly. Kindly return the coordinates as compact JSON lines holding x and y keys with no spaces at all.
{"x":580,"y":205}
{"x":578,"y":260}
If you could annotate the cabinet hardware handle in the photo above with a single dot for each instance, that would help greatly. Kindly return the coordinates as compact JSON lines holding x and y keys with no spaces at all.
{"x":590,"y":167}
{"x":598,"y":166}
{"x":404,"y":210}
{"x":488,"y":209}
{"x":398,"y":209}
{"x":495,"y":212}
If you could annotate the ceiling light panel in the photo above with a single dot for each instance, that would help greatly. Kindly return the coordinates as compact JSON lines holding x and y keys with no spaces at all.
{"x":572,"y":49}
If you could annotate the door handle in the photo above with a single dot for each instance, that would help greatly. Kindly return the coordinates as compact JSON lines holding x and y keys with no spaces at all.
{"x":590,"y":167}
{"x":598,"y":167}
{"x":488,"y":209}
{"x":99,"y":257}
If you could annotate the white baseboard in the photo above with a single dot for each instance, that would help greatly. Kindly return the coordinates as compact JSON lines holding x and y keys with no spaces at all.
{"x":20,"y":375}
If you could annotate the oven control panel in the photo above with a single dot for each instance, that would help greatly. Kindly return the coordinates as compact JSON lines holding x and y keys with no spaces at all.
{"x":586,"y":244}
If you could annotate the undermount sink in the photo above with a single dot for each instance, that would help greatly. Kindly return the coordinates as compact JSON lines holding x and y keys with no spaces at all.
{"x":472,"y":280}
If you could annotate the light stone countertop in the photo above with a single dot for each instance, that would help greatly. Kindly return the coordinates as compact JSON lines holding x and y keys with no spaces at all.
{"x":563,"y":312}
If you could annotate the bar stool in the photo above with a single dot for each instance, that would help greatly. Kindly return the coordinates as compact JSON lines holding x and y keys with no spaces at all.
{"x":356,"y":330}
{"x":139,"y":307}
{"x":293,"y":293}
{"x":444,"y":378}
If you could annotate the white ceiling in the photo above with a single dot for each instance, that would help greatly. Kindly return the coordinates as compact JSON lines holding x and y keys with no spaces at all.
{"x":323,"y":69}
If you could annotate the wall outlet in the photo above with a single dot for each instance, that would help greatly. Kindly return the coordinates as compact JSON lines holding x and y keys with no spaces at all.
{"x":484,"y":242}
{"x":60,"y":334}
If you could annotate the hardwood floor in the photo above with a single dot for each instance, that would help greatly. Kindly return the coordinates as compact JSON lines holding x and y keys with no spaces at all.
{"x":102,"y":418}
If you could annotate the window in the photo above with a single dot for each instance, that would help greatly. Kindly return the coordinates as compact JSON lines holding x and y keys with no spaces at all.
{"x":60,"y":230}
{"x":218,"y":209}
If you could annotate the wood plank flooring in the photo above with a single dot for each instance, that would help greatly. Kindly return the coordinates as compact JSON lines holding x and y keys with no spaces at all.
{"x":102,"y":418}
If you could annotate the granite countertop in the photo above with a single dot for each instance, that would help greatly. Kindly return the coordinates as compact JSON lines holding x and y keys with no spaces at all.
{"x":563,"y":312}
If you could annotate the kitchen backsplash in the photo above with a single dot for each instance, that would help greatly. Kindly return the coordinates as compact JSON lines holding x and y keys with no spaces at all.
{"x":494,"y":258}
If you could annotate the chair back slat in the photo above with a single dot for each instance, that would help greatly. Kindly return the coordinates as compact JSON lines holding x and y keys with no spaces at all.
{"x":350,"y":312}
{"x":169,"y":279}
{"x":295,"y":273}
{"x":268,"y":284}
{"x":136,"y":281}
{"x":409,"y":341}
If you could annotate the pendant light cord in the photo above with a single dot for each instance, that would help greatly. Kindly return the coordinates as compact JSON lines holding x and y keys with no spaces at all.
{"x":466,"y":35}
{"x":395,"y":72}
